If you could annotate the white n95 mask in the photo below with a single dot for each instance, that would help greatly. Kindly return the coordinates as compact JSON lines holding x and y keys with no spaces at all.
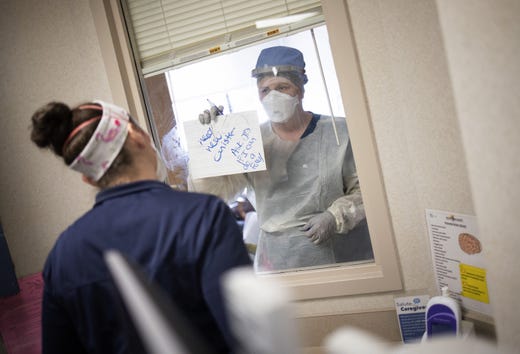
{"x":279,"y":106}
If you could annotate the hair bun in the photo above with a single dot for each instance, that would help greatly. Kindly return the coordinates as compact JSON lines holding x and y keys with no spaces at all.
{"x":51,"y":124}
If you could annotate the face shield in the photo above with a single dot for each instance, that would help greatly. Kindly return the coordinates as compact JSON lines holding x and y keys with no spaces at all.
{"x":283,"y":61}
{"x":280,"y":74}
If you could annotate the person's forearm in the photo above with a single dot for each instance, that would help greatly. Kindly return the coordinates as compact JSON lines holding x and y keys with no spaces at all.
{"x":225,"y":187}
{"x":349,"y":209}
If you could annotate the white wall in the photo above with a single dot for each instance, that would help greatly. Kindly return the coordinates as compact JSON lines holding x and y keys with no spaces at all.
{"x":49,"y":52}
{"x":482,"y":40}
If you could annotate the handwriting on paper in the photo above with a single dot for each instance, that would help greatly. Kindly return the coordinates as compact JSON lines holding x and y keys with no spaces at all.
{"x":231,"y":145}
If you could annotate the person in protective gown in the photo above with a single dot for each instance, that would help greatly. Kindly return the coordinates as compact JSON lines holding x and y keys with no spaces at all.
{"x":308,"y":200}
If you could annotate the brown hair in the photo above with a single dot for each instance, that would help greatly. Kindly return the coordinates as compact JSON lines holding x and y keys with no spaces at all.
{"x":52,"y":125}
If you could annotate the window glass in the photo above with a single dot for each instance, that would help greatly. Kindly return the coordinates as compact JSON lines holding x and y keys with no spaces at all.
{"x":227,"y":79}
{"x":271,"y":214}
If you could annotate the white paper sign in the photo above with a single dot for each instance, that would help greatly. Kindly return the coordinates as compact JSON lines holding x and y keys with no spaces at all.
{"x":232,"y":144}
{"x":457,"y":258}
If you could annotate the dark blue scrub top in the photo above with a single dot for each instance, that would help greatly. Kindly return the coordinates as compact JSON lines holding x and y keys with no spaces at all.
{"x":183,"y":241}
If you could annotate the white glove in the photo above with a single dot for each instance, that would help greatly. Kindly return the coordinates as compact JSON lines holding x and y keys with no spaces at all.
{"x":320,"y":227}
{"x":209,"y":115}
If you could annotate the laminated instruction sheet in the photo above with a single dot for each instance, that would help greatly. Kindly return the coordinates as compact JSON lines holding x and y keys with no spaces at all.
{"x":457,"y":258}
{"x":231,"y":144}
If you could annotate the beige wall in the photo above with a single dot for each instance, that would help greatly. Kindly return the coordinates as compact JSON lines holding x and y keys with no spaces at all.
{"x":49,"y":52}
{"x":482,"y":40}
{"x":419,"y":144}
{"x":418,"y":98}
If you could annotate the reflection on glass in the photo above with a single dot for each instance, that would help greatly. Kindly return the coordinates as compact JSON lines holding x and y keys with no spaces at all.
{"x":306,"y":209}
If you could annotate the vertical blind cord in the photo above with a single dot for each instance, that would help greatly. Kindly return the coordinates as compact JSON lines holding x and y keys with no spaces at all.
{"x":325,"y":84}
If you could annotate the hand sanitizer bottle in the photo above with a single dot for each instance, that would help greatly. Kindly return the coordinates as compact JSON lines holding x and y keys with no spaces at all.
{"x":443,"y":316}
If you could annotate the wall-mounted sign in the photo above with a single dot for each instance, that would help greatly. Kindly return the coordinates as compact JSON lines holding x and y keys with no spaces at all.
{"x":457,"y":258}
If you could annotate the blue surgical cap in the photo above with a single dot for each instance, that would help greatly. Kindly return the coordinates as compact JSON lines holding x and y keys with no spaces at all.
{"x":280,"y":59}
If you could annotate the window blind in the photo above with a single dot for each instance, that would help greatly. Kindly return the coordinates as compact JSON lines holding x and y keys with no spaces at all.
{"x":169,"y":33}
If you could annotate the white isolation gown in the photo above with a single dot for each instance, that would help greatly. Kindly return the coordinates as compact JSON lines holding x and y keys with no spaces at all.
{"x":302,"y":179}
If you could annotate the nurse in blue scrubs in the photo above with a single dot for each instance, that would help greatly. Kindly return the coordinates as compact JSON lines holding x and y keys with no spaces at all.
{"x":183,"y":241}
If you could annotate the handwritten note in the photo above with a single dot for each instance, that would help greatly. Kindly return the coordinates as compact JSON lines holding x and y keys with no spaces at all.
{"x":232,"y":144}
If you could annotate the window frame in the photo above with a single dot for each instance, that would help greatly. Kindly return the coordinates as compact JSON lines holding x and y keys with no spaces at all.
{"x":383,"y":274}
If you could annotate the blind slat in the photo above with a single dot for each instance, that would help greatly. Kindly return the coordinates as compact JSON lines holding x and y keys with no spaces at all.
{"x":164,"y":29}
